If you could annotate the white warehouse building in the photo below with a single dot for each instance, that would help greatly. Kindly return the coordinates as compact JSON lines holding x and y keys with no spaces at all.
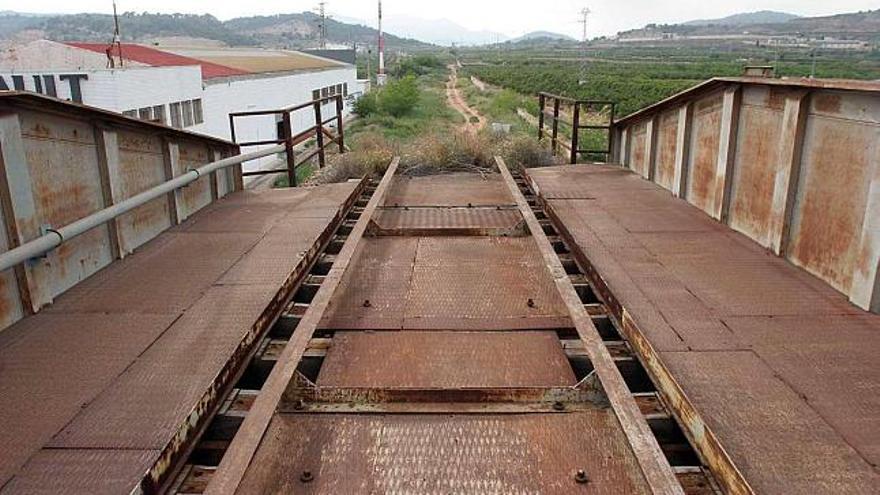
{"x":189,"y":88}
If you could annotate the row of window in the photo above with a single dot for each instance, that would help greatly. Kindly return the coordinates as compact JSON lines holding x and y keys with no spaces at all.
{"x":336,"y":89}
{"x":186,"y":113}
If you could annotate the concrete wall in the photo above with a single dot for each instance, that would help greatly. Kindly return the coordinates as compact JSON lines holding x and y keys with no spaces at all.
{"x":61,"y":162}
{"x":794,"y":166}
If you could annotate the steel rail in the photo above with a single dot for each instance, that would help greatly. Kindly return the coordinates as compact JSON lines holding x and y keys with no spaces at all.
{"x":655,"y":468}
{"x":55,"y":237}
{"x":244,"y":445}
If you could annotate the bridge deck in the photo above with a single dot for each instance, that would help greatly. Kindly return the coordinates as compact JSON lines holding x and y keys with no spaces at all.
{"x":779,"y":366}
{"x":95,"y":387}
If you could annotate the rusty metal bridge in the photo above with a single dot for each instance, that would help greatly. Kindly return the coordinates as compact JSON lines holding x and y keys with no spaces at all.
{"x":571,"y":329}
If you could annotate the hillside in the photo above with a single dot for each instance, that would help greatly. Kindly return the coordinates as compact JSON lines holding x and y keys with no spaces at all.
{"x":747,"y":18}
{"x":279,"y":31}
{"x":542,"y":35}
{"x":857,"y":25}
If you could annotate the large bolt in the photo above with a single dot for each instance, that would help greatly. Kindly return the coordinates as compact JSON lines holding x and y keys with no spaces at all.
{"x":581,"y":477}
{"x":367,"y":303}
{"x":558,"y":406}
{"x":299,"y":405}
{"x":306,"y":477}
{"x":530,"y":303}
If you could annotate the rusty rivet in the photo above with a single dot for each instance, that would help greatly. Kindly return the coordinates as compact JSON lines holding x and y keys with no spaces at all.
{"x":299,"y":405}
{"x":530,"y":303}
{"x":581,"y":476}
{"x":306,"y":476}
{"x":367,"y":303}
{"x":470,"y":205}
{"x":558,"y":406}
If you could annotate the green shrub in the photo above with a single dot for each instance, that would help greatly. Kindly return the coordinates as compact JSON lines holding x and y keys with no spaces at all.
{"x":398,"y":98}
{"x":366,"y":105}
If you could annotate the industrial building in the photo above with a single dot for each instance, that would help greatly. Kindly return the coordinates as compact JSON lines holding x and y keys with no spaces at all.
{"x":187,"y":88}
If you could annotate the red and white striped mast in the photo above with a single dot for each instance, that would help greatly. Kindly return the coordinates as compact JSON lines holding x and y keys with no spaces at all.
{"x":380,"y":77}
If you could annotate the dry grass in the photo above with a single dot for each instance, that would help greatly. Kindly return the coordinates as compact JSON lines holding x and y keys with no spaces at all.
{"x":436,"y":153}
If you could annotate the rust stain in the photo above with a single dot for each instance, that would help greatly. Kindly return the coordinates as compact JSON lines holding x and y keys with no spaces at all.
{"x":827,"y":103}
{"x":39,"y":130}
{"x":639,"y":160}
{"x":666,"y":148}
{"x":5,"y":306}
{"x":776,"y":98}
{"x":832,"y":207}
{"x":707,"y":131}
{"x":756,"y":164}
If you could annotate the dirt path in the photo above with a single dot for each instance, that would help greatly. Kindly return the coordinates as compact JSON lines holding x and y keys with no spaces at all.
{"x":456,"y":101}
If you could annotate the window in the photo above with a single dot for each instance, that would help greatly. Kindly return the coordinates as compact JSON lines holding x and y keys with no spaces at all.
{"x":316,"y":94}
{"x":325,"y":92}
{"x":145,"y":113}
{"x":176,"y":120}
{"x":187,"y":113}
{"x":130,"y":113}
{"x":339,"y":89}
{"x":159,"y":114}
{"x":344,"y":89}
{"x":198,"y":116}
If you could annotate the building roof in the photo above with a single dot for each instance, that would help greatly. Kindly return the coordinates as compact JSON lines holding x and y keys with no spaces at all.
{"x":160,"y":58}
{"x":218,"y":62}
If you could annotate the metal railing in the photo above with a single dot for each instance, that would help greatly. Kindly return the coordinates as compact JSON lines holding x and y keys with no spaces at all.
{"x":577,"y":108}
{"x":54,"y":238}
{"x":290,"y":140}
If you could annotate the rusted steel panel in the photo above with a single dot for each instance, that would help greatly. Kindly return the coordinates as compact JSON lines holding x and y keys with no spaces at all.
{"x":196,"y":195}
{"x":840,"y":159}
{"x":769,"y":427}
{"x":837,"y":376}
{"x":757,"y":162}
{"x":374,"y":290}
{"x":445,"y":360}
{"x":11,"y":307}
{"x":704,"y":153}
{"x":175,"y":267}
{"x":447,"y":221}
{"x":55,"y":364}
{"x":62,"y":195}
{"x":144,"y":406}
{"x":639,"y":161}
{"x":93,"y":471}
{"x":443,"y":252}
{"x":458,"y":189}
{"x":404,"y":453}
{"x":667,"y":134}
{"x":140,"y":168}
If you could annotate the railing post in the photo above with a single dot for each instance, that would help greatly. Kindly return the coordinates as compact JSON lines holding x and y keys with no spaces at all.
{"x":575,"y":131}
{"x":288,"y":149}
{"x":555,"y":135}
{"x":541,"y":103}
{"x":231,"y":127}
{"x":340,"y":135}
{"x":319,"y":131}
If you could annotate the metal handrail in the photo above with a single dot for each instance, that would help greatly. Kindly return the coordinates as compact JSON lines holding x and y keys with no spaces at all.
{"x":55,"y":237}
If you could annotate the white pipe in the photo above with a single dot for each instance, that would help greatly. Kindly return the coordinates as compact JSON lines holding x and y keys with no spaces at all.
{"x":54,"y":238}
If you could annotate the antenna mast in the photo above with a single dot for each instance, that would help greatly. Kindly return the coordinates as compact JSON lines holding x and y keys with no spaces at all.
{"x":115,"y":43}
{"x":322,"y":24}
{"x":585,"y":14}
{"x":380,"y":77}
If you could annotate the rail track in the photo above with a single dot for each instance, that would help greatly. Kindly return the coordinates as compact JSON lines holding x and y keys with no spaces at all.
{"x":445,"y":340}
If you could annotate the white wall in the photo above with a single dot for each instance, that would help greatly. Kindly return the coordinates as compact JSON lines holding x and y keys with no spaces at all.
{"x":122,"y":89}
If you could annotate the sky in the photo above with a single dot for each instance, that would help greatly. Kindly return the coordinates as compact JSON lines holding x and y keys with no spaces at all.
{"x":508,"y":17}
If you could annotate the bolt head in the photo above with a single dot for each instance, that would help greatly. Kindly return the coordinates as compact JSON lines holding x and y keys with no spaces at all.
{"x":558,"y":406}
{"x":581,"y":476}
{"x":306,"y":476}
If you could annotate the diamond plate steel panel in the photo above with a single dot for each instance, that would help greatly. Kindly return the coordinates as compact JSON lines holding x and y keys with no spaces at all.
{"x":445,"y":360}
{"x":459,"y":189}
{"x":476,"y":454}
{"x":144,"y":406}
{"x":447,"y":218}
{"x":82,"y":471}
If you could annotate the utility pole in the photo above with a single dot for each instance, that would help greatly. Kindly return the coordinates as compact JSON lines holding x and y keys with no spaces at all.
{"x":585,"y":13}
{"x":380,"y":77}
{"x":322,"y":24}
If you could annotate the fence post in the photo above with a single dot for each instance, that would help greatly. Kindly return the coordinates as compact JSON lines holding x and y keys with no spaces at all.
{"x":287,"y":131}
{"x":541,"y":103}
{"x":555,"y":135}
{"x":319,"y":128}
{"x":575,"y":131}
{"x":340,"y":134}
